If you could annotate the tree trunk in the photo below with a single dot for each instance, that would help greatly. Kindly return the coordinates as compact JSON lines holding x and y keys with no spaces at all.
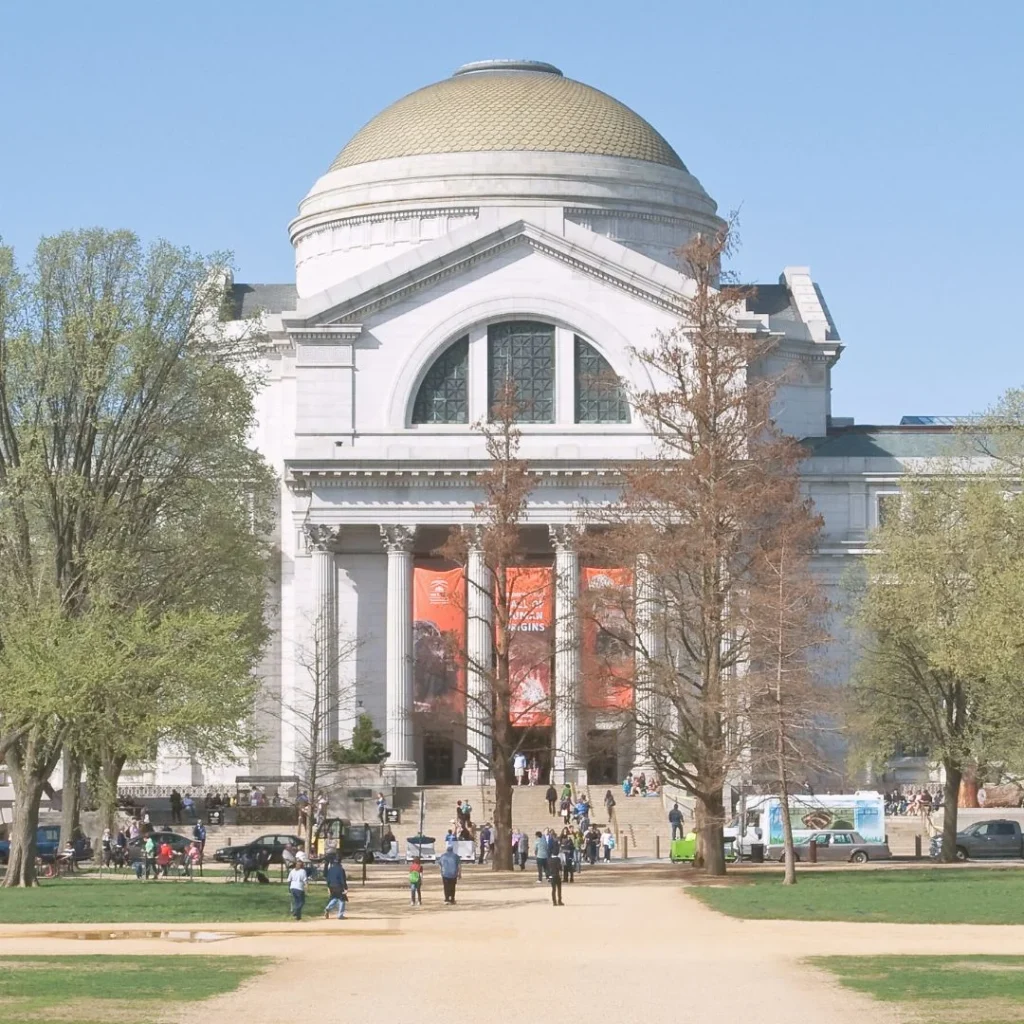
{"x":71,"y":799}
{"x":501,"y":856}
{"x":950,"y":811}
{"x":787,"y":835}
{"x":21,"y":864}
{"x":711,"y":814}
{"x":110,"y":773}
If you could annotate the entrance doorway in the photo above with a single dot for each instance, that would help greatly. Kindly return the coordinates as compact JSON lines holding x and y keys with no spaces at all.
{"x":438,"y":760}
{"x":603,"y":756}
{"x":535,"y":743}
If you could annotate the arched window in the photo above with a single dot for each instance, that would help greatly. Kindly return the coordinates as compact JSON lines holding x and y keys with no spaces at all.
{"x":523,"y":352}
{"x":443,"y":396}
{"x":599,"y":394}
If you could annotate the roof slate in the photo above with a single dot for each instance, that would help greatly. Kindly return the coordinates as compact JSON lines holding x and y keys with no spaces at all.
{"x":249,"y":299}
{"x":883,"y":443}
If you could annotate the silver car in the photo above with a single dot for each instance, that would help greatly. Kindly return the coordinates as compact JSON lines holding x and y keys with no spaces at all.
{"x":837,"y":845}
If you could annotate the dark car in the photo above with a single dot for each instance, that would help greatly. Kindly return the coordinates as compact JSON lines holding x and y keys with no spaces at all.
{"x":999,"y":838}
{"x":273,"y":844}
{"x":179,"y":844}
{"x":48,"y":845}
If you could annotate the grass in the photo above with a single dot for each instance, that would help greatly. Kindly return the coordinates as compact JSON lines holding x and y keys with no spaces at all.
{"x":926,"y":896}
{"x":112,"y":989}
{"x":79,"y":901}
{"x":943,"y":989}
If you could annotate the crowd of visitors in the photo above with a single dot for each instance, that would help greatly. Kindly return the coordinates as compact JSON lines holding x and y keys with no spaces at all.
{"x":637,"y":784}
{"x":921,"y":802}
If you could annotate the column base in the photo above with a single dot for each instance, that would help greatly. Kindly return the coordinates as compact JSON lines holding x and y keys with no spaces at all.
{"x":475,"y":774}
{"x":401,"y":774}
{"x":574,"y":774}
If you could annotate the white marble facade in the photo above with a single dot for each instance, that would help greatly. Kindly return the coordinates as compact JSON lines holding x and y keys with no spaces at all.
{"x":397,"y":257}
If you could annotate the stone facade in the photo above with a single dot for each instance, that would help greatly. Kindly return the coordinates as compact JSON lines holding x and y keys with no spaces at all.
{"x":397,"y":258}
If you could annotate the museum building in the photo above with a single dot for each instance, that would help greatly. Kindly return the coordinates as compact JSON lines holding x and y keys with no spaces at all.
{"x":506,"y":222}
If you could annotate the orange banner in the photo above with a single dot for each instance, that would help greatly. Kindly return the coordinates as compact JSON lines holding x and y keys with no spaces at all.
{"x":530,"y":645}
{"x":439,"y":638}
{"x":607,"y":650}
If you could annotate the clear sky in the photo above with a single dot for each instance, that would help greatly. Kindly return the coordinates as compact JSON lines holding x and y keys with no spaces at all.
{"x":881,"y":143}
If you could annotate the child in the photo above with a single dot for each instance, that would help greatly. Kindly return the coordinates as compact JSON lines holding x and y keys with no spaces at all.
{"x":416,"y":882}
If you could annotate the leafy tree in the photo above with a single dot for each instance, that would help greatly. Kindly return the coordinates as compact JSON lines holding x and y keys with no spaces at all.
{"x":940,"y":608}
{"x":133,"y":516}
{"x":366,"y":746}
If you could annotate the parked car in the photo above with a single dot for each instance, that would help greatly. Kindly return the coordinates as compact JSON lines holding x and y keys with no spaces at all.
{"x":273,"y":844}
{"x":836,"y":845}
{"x":997,"y":838}
{"x":48,"y":845}
{"x":179,"y":843}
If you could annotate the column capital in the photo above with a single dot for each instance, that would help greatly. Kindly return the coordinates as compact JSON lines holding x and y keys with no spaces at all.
{"x":566,"y":536}
{"x":320,"y":536}
{"x":474,"y":534}
{"x":397,"y":538}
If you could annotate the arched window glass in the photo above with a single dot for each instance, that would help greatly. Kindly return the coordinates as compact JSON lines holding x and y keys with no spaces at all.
{"x":599,"y":394}
{"x":523,"y":352}
{"x":443,"y":396}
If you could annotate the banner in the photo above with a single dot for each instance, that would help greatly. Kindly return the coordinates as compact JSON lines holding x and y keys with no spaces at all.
{"x":607,"y":650}
{"x":530,"y":645}
{"x":439,"y":635}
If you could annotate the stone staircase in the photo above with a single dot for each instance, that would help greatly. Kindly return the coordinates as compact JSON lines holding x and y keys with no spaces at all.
{"x":640,"y":824}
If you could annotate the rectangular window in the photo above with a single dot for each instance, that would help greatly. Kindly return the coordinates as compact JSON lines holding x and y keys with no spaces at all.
{"x":522,"y":353}
{"x":887,"y":506}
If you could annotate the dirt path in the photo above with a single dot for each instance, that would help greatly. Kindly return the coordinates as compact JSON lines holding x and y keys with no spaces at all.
{"x":643,"y":952}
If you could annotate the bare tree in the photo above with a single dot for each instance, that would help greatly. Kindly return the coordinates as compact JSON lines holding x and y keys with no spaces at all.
{"x":496,"y":605}
{"x":689,"y":519}
{"x":786,"y":706}
{"x":317,"y":708}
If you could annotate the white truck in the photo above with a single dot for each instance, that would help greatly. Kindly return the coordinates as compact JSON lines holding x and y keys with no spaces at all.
{"x":760,"y":819}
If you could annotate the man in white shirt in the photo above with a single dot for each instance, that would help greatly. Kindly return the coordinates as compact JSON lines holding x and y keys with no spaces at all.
{"x":297,"y":886}
{"x":519,"y":765}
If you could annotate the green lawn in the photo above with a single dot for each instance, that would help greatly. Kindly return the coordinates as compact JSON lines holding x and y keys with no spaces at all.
{"x":926,"y":896}
{"x":74,"y":901}
{"x":943,"y":989}
{"x":112,"y":989}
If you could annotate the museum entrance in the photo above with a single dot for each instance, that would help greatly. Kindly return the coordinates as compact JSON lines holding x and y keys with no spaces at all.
{"x":603,"y":756}
{"x":535,"y":743}
{"x":438,"y":760}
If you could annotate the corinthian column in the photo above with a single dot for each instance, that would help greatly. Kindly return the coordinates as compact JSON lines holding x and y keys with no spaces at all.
{"x":476,"y":770}
{"x":569,"y":765}
{"x":323,"y":659}
{"x":647,"y":653}
{"x":397,"y":541}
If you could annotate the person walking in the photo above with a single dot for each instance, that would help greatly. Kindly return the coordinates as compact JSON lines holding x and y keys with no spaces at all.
{"x":451,"y":871}
{"x":567,"y":855}
{"x":519,"y":766}
{"x":675,"y":819}
{"x":149,"y":850}
{"x":607,"y":844}
{"x":337,"y":886}
{"x":609,"y":806}
{"x":175,"y":807}
{"x":540,"y":852}
{"x":199,"y":835}
{"x":552,"y":798}
{"x":524,"y":850}
{"x":297,"y":887}
{"x":382,"y":808}
{"x":416,"y":883}
{"x":556,"y":883}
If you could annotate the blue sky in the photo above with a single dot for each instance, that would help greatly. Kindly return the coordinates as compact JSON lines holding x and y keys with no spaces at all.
{"x":880,"y":143}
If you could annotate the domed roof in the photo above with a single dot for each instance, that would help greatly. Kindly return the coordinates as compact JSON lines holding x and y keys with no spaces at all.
{"x":507,"y":106}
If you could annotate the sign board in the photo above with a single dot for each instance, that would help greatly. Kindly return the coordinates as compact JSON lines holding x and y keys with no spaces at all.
{"x":394,"y":816}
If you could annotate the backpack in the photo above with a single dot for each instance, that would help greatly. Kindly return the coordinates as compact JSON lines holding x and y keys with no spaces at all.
{"x":414,"y":878}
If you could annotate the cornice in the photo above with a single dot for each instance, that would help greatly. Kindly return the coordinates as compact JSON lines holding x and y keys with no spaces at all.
{"x":382,"y":216}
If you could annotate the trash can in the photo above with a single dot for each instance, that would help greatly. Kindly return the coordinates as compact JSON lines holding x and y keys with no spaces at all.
{"x":757,"y":853}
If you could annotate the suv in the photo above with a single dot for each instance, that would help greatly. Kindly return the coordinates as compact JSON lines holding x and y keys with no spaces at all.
{"x":48,"y":846}
{"x":272,"y":844}
{"x":999,"y":838}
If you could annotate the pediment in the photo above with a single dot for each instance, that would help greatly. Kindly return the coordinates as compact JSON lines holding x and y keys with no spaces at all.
{"x":353,"y":301}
